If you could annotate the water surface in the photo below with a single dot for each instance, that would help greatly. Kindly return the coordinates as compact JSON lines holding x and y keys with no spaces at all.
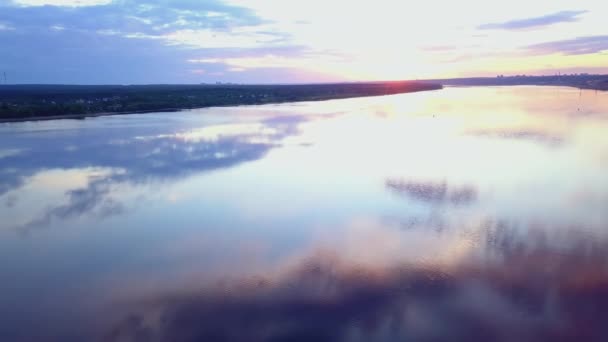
{"x":460,"y":214}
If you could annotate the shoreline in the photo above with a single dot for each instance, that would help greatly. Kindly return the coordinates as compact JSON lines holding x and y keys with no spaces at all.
{"x":89,"y":115}
{"x":477,"y":82}
{"x":455,"y":85}
{"x":174,"y":109}
{"x":587,"y":82}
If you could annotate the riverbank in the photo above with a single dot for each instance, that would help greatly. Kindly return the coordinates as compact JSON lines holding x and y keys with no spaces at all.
{"x":84,"y":116}
{"x":51,"y":102}
{"x":580,"y":81}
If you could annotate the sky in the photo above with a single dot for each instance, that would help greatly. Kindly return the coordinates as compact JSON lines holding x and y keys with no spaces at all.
{"x":292,"y":41}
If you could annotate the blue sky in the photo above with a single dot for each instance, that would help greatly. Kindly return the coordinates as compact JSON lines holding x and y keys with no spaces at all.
{"x":264,"y":41}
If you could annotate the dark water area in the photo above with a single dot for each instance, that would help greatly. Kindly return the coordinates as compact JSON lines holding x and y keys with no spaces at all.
{"x":466,"y":214}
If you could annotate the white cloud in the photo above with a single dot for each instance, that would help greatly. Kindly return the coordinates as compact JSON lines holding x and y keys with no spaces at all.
{"x":240,"y":37}
{"x":62,"y":3}
{"x":391,"y":38}
{"x":272,"y":61}
{"x":108,"y":32}
{"x":6,"y":27}
{"x":380,"y":39}
{"x":325,"y":63}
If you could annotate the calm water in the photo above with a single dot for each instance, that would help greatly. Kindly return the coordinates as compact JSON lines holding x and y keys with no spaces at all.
{"x":461,"y":214}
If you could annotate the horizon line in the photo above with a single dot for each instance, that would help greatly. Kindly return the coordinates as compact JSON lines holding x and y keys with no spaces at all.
{"x":220,"y":83}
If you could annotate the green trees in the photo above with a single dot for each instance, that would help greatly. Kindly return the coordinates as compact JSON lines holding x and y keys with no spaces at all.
{"x":41,"y":101}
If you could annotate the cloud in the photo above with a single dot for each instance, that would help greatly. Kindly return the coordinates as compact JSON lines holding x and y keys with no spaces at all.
{"x":433,"y":192}
{"x":536,"y":136}
{"x":175,"y":31}
{"x":94,"y":199}
{"x":141,"y":159}
{"x":63,"y":3}
{"x":267,"y":61}
{"x":131,"y":17}
{"x":529,"y":290}
{"x":245,"y":37}
{"x":492,"y":282}
{"x":320,"y":64}
{"x":546,"y":20}
{"x":152,"y":40}
{"x":6,"y":27}
{"x":576,"y":46}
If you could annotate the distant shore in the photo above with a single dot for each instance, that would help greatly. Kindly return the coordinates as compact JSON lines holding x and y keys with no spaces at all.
{"x":580,"y":81}
{"x":20,"y":103}
{"x":86,"y":115}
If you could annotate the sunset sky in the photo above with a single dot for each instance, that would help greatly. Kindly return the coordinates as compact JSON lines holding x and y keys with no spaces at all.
{"x":263,"y":41}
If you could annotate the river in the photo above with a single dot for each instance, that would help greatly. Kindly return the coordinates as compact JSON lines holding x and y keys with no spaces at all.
{"x":474,"y":213}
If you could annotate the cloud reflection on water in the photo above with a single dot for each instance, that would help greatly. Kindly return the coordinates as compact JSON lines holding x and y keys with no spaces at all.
{"x":95,"y":199}
{"x":498,"y":284}
{"x":136,"y":160}
{"x":535,"y":136}
{"x":433,"y":192}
